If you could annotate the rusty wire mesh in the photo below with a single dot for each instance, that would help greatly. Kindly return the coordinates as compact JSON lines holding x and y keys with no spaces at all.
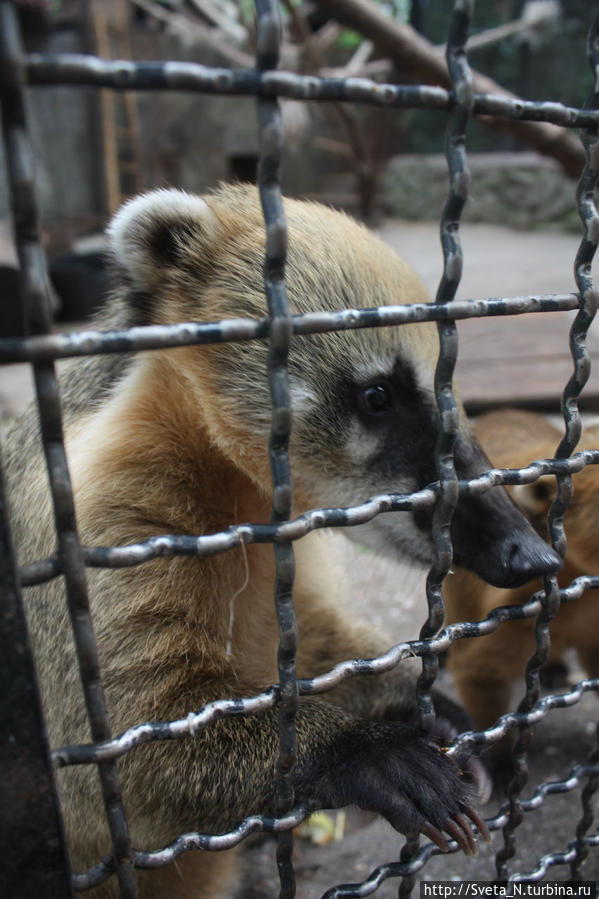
{"x":41,"y":348}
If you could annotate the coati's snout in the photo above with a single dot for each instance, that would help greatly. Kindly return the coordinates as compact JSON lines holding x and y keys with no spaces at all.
{"x":491,"y":537}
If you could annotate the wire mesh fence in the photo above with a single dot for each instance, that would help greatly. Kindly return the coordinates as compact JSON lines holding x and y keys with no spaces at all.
{"x":39,"y":855}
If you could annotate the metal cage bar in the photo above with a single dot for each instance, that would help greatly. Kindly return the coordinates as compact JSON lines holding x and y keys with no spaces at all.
{"x":34,"y":281}
{"x":455,"y":150}
{"x":268,"y":35}
{"x":589,"y":216}
{"x":551,"y":600}
{"x":91,"y":71}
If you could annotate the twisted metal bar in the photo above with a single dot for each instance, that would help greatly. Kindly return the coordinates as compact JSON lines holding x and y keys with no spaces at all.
{"x":455,"y":150}
{"x":34,"y":281}
{"x":573,"y":426}
{"x":188,"y":841}
{"x":582,"y":269}
{"x":268,"y":37}
{"x":211,"y":544}
{"x":91,"y":71}
{"x":462,"y":93}
{"x":45,"y":347}
{"x":194,"y":722}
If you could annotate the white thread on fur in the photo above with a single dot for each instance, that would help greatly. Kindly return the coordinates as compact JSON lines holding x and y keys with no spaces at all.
{"x":246,"y":580}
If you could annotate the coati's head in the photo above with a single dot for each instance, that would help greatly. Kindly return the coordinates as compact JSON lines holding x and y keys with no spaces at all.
{"x":364,"y":415}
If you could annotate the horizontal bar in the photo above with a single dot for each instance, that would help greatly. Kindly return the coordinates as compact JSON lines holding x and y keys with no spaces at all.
{"x":188,"y":841}
{"x":71,"y":69}
{"x":263,"y":824}
{"x":42,"y":348}
{"x":205,"y":545}
{"x":85,"y":754}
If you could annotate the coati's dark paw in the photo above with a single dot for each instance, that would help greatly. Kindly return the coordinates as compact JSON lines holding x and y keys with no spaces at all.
{"x":451,"y":719}
{"x":391,"y":769}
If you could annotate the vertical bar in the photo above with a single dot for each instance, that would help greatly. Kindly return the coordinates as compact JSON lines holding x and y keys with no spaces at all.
{"x":459,"y":177}
{"x":589,"y":215}
{"x":37,"y":319}
{"x":455,"y":150}
{"x":34,"y":861}
{"x":573,"y":426}
{"x":271,"y":141}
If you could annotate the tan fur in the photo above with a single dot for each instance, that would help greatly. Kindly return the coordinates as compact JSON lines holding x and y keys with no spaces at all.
{"x":175,"y":442}
{"x":485,"y":668}
{"x":193,"y":460}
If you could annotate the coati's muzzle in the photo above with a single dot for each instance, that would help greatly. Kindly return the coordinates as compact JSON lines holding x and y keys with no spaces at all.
{"x":491,"y":537}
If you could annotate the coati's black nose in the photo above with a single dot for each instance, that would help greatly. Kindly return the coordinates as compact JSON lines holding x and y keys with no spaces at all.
{"x":491,"y":536}
{"x":504,"y":556}
{"x":523,"y":558}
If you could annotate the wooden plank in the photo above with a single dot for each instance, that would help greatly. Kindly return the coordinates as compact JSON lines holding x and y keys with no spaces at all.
{"x":523,"y":360}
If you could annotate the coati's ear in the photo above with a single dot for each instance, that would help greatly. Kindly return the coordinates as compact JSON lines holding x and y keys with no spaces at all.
{"x":535,"y":499}
{"x":159,"y":230}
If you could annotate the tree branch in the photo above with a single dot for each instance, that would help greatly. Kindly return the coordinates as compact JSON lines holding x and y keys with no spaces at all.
{"x":409,"y":50}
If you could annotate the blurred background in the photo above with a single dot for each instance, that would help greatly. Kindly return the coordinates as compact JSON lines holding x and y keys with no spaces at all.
{"x":101,"y":146}
{"x":386,"y":166}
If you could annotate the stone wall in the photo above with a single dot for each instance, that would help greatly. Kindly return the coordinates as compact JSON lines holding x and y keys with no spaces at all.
{"x":519,"y":190}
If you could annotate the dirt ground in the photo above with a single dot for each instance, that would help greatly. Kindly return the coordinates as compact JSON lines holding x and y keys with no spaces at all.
{"x":498,"y":263}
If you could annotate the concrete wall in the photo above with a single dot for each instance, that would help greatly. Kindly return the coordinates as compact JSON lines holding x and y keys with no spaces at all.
{"x":521,"y":190}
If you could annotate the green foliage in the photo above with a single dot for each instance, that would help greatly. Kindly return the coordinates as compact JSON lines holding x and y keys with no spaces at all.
{"x":396,"y":9}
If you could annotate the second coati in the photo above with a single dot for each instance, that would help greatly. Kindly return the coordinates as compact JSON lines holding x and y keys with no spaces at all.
{"x":174,"y":441}
{"x":485,"y":668}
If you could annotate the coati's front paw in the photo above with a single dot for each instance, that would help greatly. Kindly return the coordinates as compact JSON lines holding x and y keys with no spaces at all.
{"x":451,"y":719}
{"x":391,"y":769}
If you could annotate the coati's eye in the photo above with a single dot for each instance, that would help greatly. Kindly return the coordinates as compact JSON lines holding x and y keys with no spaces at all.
{"x":376,"y":400}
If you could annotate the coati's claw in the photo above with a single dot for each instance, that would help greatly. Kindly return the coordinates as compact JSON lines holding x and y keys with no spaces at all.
{"x":460,"y":836}
{"x":459,"y":828}
{"x":464,"y":823}
{"x":479,"y":821}
{"x":435,"y":836}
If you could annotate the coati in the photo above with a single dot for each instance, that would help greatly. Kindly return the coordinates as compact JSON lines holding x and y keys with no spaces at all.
{"x":485,"y":668}
{"x":175,"y":442}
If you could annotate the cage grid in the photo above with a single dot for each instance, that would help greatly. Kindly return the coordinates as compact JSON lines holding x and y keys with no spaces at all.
{"x":47,"y":865}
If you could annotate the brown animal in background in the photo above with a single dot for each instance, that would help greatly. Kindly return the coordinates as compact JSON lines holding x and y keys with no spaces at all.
{"x":175,"y":442}
{"x":485,"y":668}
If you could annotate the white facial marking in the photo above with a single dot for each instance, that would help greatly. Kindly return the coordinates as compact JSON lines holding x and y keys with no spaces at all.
{"x":303,"y":397}
{"x":375,"y":367}
{"x":361,"y":445}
